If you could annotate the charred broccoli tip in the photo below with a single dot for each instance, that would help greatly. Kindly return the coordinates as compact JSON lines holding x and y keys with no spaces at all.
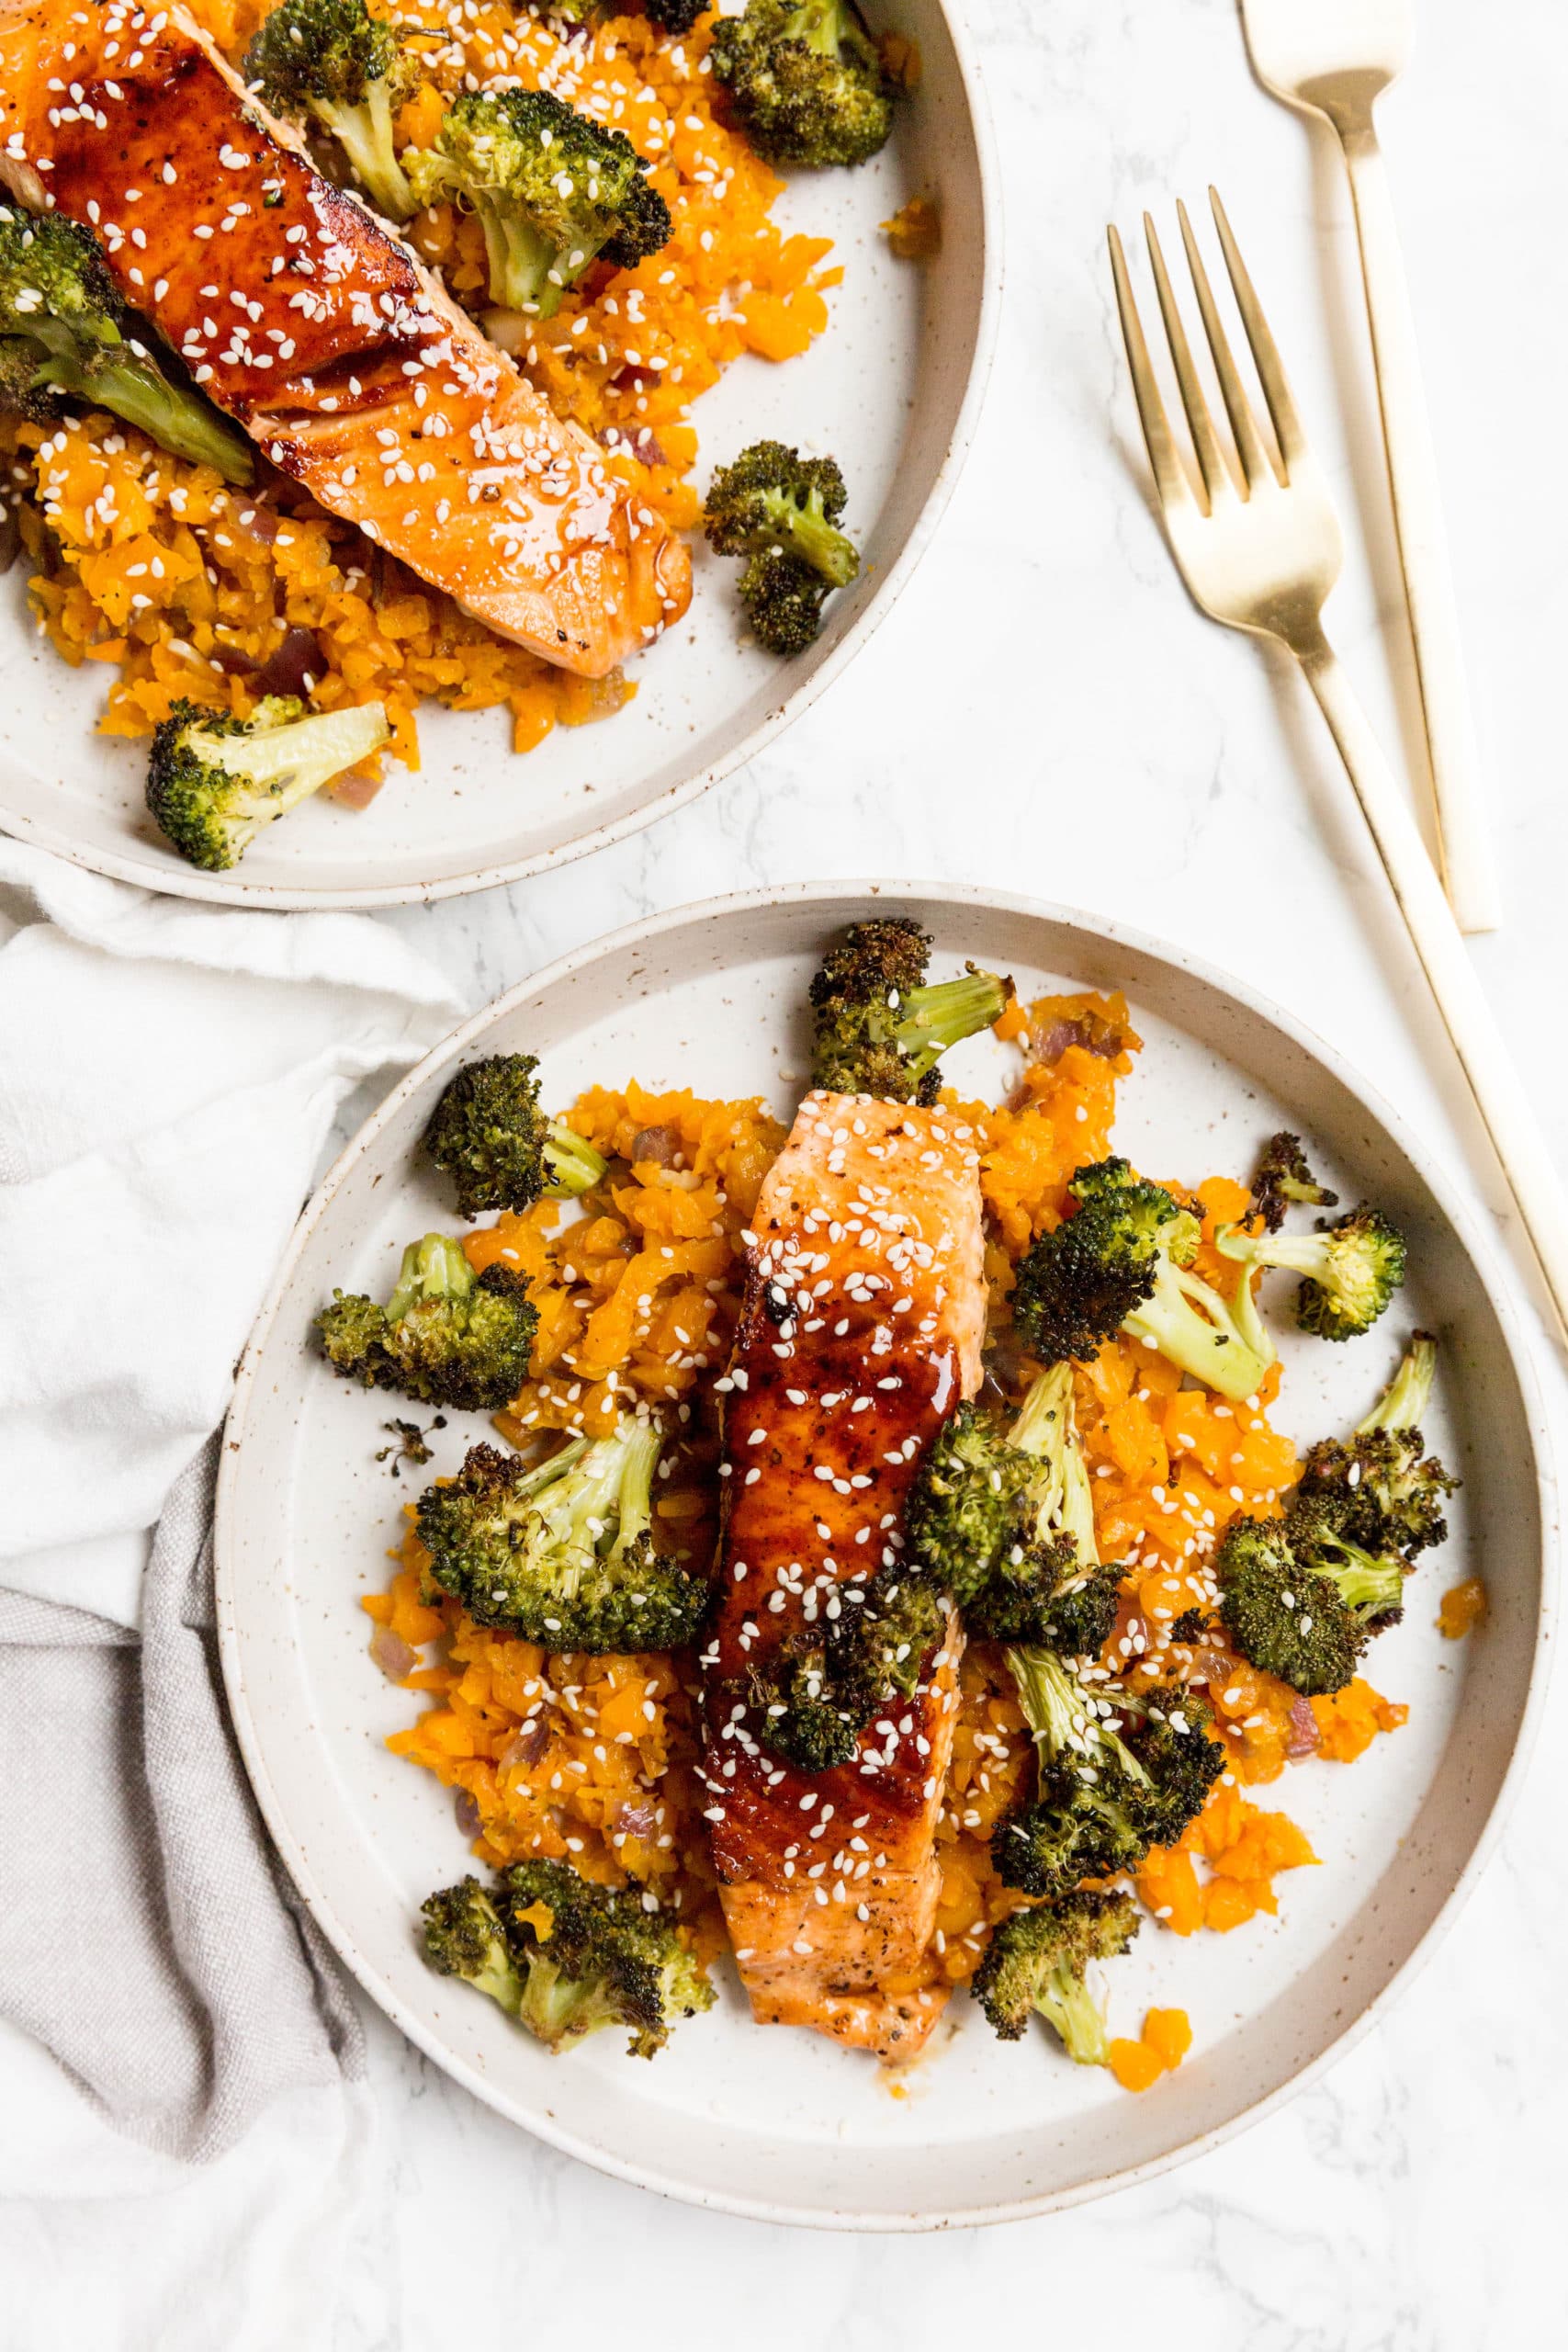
{"x":490,"y":1135}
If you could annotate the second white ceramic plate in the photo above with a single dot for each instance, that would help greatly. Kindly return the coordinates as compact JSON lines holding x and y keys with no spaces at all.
{"x":782,"y":2124}
{"x":892,"y":390}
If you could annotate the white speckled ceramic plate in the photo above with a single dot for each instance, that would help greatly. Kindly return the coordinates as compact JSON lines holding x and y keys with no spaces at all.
{"x":893,"y":390}
{"x":780,"y":2123}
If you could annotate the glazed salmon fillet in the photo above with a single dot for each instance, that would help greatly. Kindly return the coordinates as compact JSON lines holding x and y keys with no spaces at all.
{"x":860,"y":1332}
{"x":316,"y":329}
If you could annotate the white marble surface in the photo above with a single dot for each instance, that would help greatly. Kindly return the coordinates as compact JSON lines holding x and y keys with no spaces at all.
{"x":1137,"y":762}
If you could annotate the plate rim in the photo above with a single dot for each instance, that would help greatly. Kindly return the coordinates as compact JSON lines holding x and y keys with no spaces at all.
{"x":1488,"y":1266}
{"x":232,"y":890}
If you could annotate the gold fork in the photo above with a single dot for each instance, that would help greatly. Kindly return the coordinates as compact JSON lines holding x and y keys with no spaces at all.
{"x":1261,"y":553}
{"x":1333,"y":58}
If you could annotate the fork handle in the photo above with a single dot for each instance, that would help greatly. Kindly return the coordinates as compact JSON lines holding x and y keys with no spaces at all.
{"x":1500,"y":1097}
{"x":1469,"y":867}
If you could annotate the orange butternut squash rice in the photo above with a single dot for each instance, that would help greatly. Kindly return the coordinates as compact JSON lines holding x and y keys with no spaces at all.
{"x":638,"y":1289}
{"x":184,"y":586}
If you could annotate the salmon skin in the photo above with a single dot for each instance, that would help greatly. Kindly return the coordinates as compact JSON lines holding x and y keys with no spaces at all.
{"x":860,"y":1332}
{"x":310,"y":323}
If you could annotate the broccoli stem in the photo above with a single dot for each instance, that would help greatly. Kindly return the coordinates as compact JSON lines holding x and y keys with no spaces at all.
{"x":806,"y":532}
{"x":284,"y":764}
{"x":932,"y":1018}
{"x":1066,"y":2000}
{"x":1370,"y":1587}
{"x":1045,"y":1428}
{"x":521,"y":261}
{"x":436,"y":1267}
{"x":134,"y":388}
{"x":186,"y":427}
{"x":579,"y":1519}
{"x":364,"y":134}
{"x":1226,"y":1347}
{"x":644,"y":1443}
{"x":1052,"y":1702}
{"x":1302,"y":1253}
{"x":828,"y":26}
{"x":555,"y":2006}
{"x":574,"y":1165}
{"x":1404,"y":1406}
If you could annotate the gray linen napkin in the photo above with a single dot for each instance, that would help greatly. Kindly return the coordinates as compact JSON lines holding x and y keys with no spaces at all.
{"x":149,"y":1936}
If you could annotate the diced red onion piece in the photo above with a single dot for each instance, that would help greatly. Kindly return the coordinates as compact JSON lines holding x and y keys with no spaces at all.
{"x":259,"y":519}
{"x":295,"y":664}
{"x":392,"y":1653}
{"x":661,"y":1144}
{"x":530,"y":1743}
{"x":635,"y":1820}
{"x":355,"y":790}
{"x":1098,"y":1037}
{"x":1304,"y":1738}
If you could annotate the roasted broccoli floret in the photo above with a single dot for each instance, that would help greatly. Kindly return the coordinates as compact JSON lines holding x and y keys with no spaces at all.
{"x":331,"y":59}
{"x":896,"y":1627}
{"x":809,"y":1705}
{"x":1282,"y":1176}
{"x":465,"y":1936}
{"x":969,"y":1507}
{"x":553,"y":191}
{"x":805,"y":80}
{"x":1370,"y":1584}
{"x":1287,"y":1617}
{"x":490,"y":1135}
{"x":446,"y":1335}
{"x":564,"y":1554}
{"x":1386,"y":1495}
{"x":1117,"y":1776}
{"x":782,"y":601}
{"x":1122,"y":1263}
{"x":567,"y":1958}
{"x":65,"y":335}
{"x":1170,"y":1734}
{"x":1077,"y":1619}
{"x":1351,"y":1269}
{"x":816,"y":1696}
{"x":781,"y":512}
{"x":1039,"y":1959}
{"x":214,"y":782}
{"x":878,"y":1028}
{"x":676,"y":15}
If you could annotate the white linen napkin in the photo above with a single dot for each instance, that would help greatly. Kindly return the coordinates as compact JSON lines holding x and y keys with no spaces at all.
{"x":169,"y":1075}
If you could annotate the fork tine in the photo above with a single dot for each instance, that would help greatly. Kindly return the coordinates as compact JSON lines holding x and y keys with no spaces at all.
{"x":1216,"y":477}
{"x":1255,"y":463}
{"x":1265,"y":350}
{"x":1170,"y":480}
